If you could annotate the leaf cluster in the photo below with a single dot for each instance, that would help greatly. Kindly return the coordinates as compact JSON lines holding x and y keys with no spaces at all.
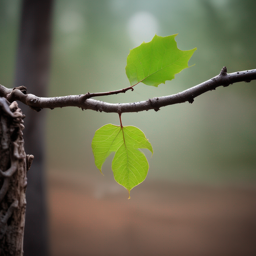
{"x":151,"y":63}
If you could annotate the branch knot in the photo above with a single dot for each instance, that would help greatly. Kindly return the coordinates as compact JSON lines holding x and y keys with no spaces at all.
{"x":153,"y":103}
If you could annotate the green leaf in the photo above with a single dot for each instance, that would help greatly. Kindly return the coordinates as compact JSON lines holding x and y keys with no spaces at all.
{"x":155,"y":62}
{"x":130,"y":166}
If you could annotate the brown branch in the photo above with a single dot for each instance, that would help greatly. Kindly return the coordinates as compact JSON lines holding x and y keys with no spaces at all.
{"x":84,"y":101}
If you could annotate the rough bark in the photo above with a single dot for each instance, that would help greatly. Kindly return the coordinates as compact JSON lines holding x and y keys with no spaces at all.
{"x":14,"y":164}
{"x":32,"y":70}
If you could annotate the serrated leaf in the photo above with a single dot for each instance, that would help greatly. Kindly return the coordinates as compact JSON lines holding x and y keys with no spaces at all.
{"x":157,"y":61}
{"x":130,"y":166}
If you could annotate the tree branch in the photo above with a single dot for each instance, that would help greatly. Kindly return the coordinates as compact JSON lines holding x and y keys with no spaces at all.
{"x":83,"y":101}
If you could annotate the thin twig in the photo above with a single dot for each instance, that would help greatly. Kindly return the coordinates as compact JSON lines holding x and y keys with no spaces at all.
{"x":98,"y":94}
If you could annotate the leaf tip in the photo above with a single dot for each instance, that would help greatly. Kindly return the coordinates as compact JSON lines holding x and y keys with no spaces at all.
{"x":194,"y":49}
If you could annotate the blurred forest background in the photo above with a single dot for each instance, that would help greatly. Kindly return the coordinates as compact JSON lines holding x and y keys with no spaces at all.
{"x":203,"y":153}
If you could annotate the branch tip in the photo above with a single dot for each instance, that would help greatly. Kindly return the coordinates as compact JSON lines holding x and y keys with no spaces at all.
{"x":223,"y":71}
{"x":29,"y":160}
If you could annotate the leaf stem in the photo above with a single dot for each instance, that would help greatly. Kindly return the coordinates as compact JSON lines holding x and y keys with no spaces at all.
{"x":129,"y":192}
{"x":89,"y":95}
{"x":120,"y":119}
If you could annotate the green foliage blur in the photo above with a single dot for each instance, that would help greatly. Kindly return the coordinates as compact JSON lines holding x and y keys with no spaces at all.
{"x":213,"y":140}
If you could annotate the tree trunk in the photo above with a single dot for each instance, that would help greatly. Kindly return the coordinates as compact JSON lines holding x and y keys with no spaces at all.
{"x":14,"y":164}
{"x":32,"y":71}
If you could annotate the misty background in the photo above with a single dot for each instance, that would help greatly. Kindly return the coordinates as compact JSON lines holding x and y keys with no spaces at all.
{"x":211,"y":142}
